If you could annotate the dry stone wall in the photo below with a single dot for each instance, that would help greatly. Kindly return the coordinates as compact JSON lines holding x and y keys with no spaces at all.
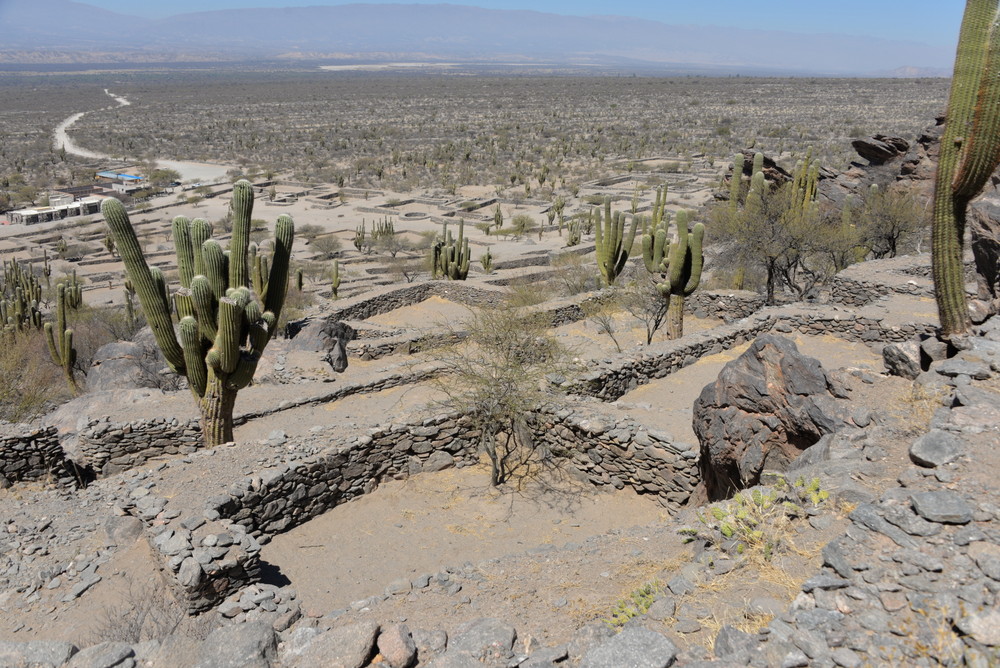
{"x":31,"y":453}
{"x":616,"y":376}
{"x":208,"y":558}
{"x":107,"y":447}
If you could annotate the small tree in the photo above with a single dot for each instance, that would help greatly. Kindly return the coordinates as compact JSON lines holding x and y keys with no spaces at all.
{"x":497,"y":378}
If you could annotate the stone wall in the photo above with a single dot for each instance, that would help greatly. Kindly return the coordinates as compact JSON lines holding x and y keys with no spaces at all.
{"x":601,"y":450}
{"x":726,"y":305}
{"x":853,"y":327}
{"x":31,"y":453}
{"x":394,"y":297}
{"x":107,"y":448}
{"x":619,"y":374}
{"x":211,"y":556}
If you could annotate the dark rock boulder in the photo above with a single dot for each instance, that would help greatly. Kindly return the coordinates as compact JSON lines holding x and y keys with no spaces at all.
{"x":766,"y":407}
{"x":902,"y":359}
{"x":880,"y":149}
{"x":130,"y":365}
{"x":984,"y":228}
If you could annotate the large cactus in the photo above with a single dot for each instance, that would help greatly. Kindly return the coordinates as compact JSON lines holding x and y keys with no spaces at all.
{"x":970,"y":152}
{"x":451,"y":256}
{"x":679,"y":264}
{"x":224,"y":325}
{"x":612,"y":243}
{"x":60,"y":338}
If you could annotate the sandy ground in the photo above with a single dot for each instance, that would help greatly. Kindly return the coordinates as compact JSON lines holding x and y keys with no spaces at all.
{"x":421,"y":525}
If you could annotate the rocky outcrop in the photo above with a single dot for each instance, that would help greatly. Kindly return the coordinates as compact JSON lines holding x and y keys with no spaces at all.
{"x":880,"y":149}
{"x":984,"y":227}
{"x":766,"y":407}
{"x":130,"y":365}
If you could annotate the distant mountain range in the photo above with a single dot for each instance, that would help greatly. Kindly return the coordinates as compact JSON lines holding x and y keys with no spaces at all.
{"x":38,"y":31}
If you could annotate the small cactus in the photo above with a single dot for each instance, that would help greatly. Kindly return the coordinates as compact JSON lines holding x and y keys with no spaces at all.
{"x":612,"y":243}
{"x":486,"y":260}
{"x":335,"y":278}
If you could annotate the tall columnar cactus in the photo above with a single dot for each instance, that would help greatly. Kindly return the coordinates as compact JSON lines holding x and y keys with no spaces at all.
{"x":335,"y":278}
{"x":60,"y":339}
{"x":224,"y":325}
{"x":679,"y":265}
{"x":736,"y":182}
{"x":612,"y":243}
{"x":451,"y":256}
{"x":969,"y":154}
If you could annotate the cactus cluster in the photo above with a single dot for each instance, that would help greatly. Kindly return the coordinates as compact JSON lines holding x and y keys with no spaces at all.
{"x":19,"y":299}
{"x":223,"y":324}
{"x":678,"y":263}
{"x":613,"y":243}
{"x":382,"y":229}
{"x":451,"y":256}
{"x":574,"y":233}
{"x":969,"y":154}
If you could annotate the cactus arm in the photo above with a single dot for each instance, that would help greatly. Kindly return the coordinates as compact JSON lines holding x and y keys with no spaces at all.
{"x":205,"y":306}
{"x":736,"y":181}
{"x":980,"y":153}
{"x":242,"y":206}
{"x":215,"y":267}
{"x":697,"y":258}
{"x":964,"y":157}
{"x":197,"y":372}
{"x":153,"y":304}
{"x":181,"y":227}
{"x":201,"y":231}
{"x":277,"y":282}
{"x":678,"y":255}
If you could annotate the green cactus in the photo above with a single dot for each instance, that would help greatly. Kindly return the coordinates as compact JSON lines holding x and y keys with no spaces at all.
{"x":46,"y":269}
{"x":224,"y":326}
{"x":451,"y":256}
{"x":60,"y":339}
{"x":573,"y":233}
{"x":612,"y":243}
{"x":969,"y":153}
{"x":678,"y":263}
{"x":736,"y":182}
{"x":74,"y":292}
{"x":486,"y":260}
{"x":497,"y":219}
{"x":335,"y":278}
{"x":360,"y":236}
{"x":382,"y":229}
{"x":20,"y":295}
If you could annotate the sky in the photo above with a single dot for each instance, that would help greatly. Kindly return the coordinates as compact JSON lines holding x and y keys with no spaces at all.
{"x":932,"y":22}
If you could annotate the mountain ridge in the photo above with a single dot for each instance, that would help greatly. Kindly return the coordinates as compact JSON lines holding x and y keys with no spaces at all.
{"x":455,"y":32}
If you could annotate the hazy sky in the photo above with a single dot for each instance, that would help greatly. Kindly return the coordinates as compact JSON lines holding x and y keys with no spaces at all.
{"x":930,"y":21}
